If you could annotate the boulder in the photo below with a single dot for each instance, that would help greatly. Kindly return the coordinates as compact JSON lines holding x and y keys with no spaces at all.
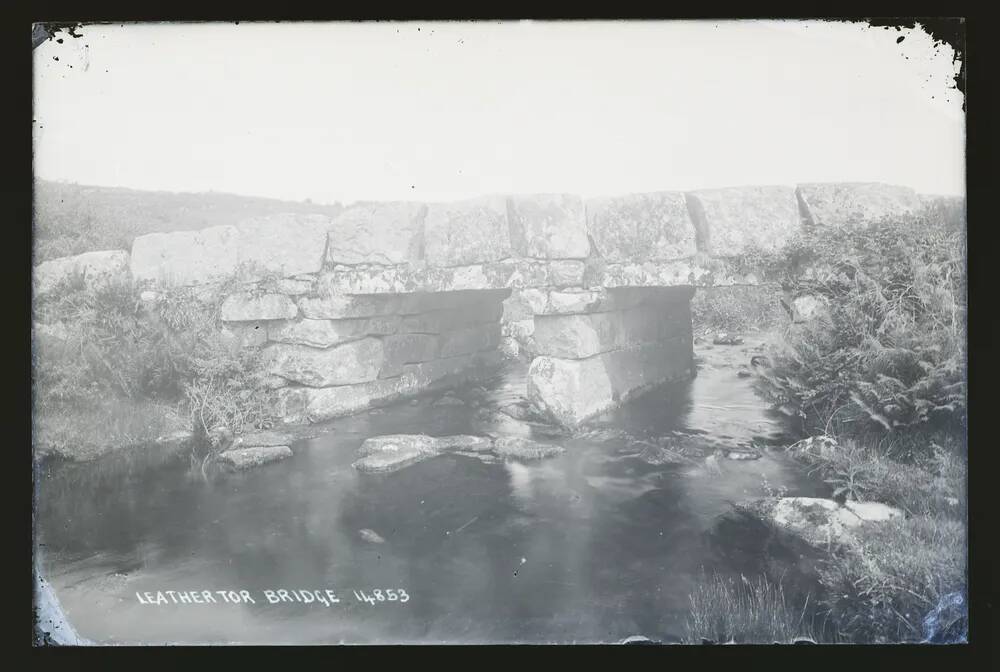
{"x":873,"y":511}
{"x":641,"y":227}
{"x":345,"y":364}
{"x":186,"y":257}
{"x":735,"y":220}
{"x":380,"y":454}
{"x":92,"y":268}
{"x":519,"y":448}
{"x":248,"y":458}
{"x":248,"y":307}
{"x":377,"y":233}
{"x":264,"y":439}
{"x":814,"y":446}
{"x":853,"y":204}
{"x":821,"y":522}
{"x":283,"y":244}
{"x":723,"y":338}
{"x":809,"y":307}
{"x":467,"y":232}
{"x":548,"y":226}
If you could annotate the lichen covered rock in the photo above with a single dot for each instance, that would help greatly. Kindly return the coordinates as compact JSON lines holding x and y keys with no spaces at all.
{"x":242,"y":459}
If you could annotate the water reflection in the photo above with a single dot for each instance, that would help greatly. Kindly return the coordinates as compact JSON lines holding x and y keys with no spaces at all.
{"x":592,"y":546}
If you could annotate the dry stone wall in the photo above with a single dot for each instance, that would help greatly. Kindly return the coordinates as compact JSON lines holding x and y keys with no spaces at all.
{"x":389,"y":299}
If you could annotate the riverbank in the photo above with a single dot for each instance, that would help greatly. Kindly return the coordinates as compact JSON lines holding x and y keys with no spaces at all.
{"x":107,"y":426}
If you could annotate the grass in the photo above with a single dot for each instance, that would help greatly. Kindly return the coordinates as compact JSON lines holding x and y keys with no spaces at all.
{"x":741,"y":309}
{"x":884,"y":590}
{"x":725,"y":610}
{"x":83,"y":433}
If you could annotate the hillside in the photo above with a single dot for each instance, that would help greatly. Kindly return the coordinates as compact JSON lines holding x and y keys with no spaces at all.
{"x":73,"y":218}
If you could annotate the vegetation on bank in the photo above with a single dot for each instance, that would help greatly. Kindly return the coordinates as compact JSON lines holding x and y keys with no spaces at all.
{"x":737,"y":309}
{"x":726,"y":610}
{"x":114,"y":370}
{"x":881,"y":369}
{"x":71,"y":218}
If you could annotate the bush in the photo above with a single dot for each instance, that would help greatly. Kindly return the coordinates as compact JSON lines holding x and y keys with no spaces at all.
{"x":906,"y":571}
{"x":729,"y":611}
{"x":95,"y":344}
{"x":890,"y":354}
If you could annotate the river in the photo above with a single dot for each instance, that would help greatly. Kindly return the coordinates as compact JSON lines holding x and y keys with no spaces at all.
{"x":592,"y":546}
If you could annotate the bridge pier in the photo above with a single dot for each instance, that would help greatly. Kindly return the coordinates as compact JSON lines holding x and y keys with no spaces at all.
{"x":625,"y":343}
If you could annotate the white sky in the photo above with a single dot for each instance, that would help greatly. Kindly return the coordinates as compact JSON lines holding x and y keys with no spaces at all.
{"x":437,"y":111}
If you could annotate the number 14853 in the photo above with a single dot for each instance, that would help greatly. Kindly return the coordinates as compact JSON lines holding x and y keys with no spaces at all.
{"x":377,"y":595}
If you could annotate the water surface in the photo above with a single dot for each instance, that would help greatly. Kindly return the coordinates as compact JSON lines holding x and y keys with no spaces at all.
{"x":591,"y":546}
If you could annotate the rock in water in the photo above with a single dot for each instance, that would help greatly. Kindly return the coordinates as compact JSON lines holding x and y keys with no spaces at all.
{"x":518,"y":448}
{"x":741,"y":454}
{"x":266,"y":438}
{"x":658,"y":455}
{"x":380,"y":454}
{"x":248,"y":458}
{"x":448,"y":400}
{"x":371,"y":536}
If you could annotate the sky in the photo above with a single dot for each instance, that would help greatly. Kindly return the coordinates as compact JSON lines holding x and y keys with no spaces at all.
{"x":450,"y":110}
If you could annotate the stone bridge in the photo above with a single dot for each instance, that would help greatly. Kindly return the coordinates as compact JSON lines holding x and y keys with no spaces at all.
{"x":390,"y":299}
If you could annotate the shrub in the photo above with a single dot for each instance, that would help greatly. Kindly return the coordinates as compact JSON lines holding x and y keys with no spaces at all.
{"x":729,"y":611}
{"x":890,"y":353}
{"x":907,"y":569}
{"x":105,"y":342}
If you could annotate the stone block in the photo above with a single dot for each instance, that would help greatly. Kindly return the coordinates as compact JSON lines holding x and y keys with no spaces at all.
{"x":852,"y":204}
{"x":573,"y":390}
{"x":354,"y":362}
{"x":334,"y":307}
{"x":738,"y":219}
{"x":324,"y":333}
{"x":467,"y":232}
{"x":402,"y":349}
{"x":584,"y":335}
{"x":186,"y":257}
{"x":246,"y":307}
{"x":377,"y":233}
{"x":282,"y":244}
{"x":548,"y":226}
{"x":641,"y":227}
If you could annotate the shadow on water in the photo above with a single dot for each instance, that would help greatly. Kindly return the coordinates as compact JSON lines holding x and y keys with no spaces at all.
{"x":595,"y":545}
